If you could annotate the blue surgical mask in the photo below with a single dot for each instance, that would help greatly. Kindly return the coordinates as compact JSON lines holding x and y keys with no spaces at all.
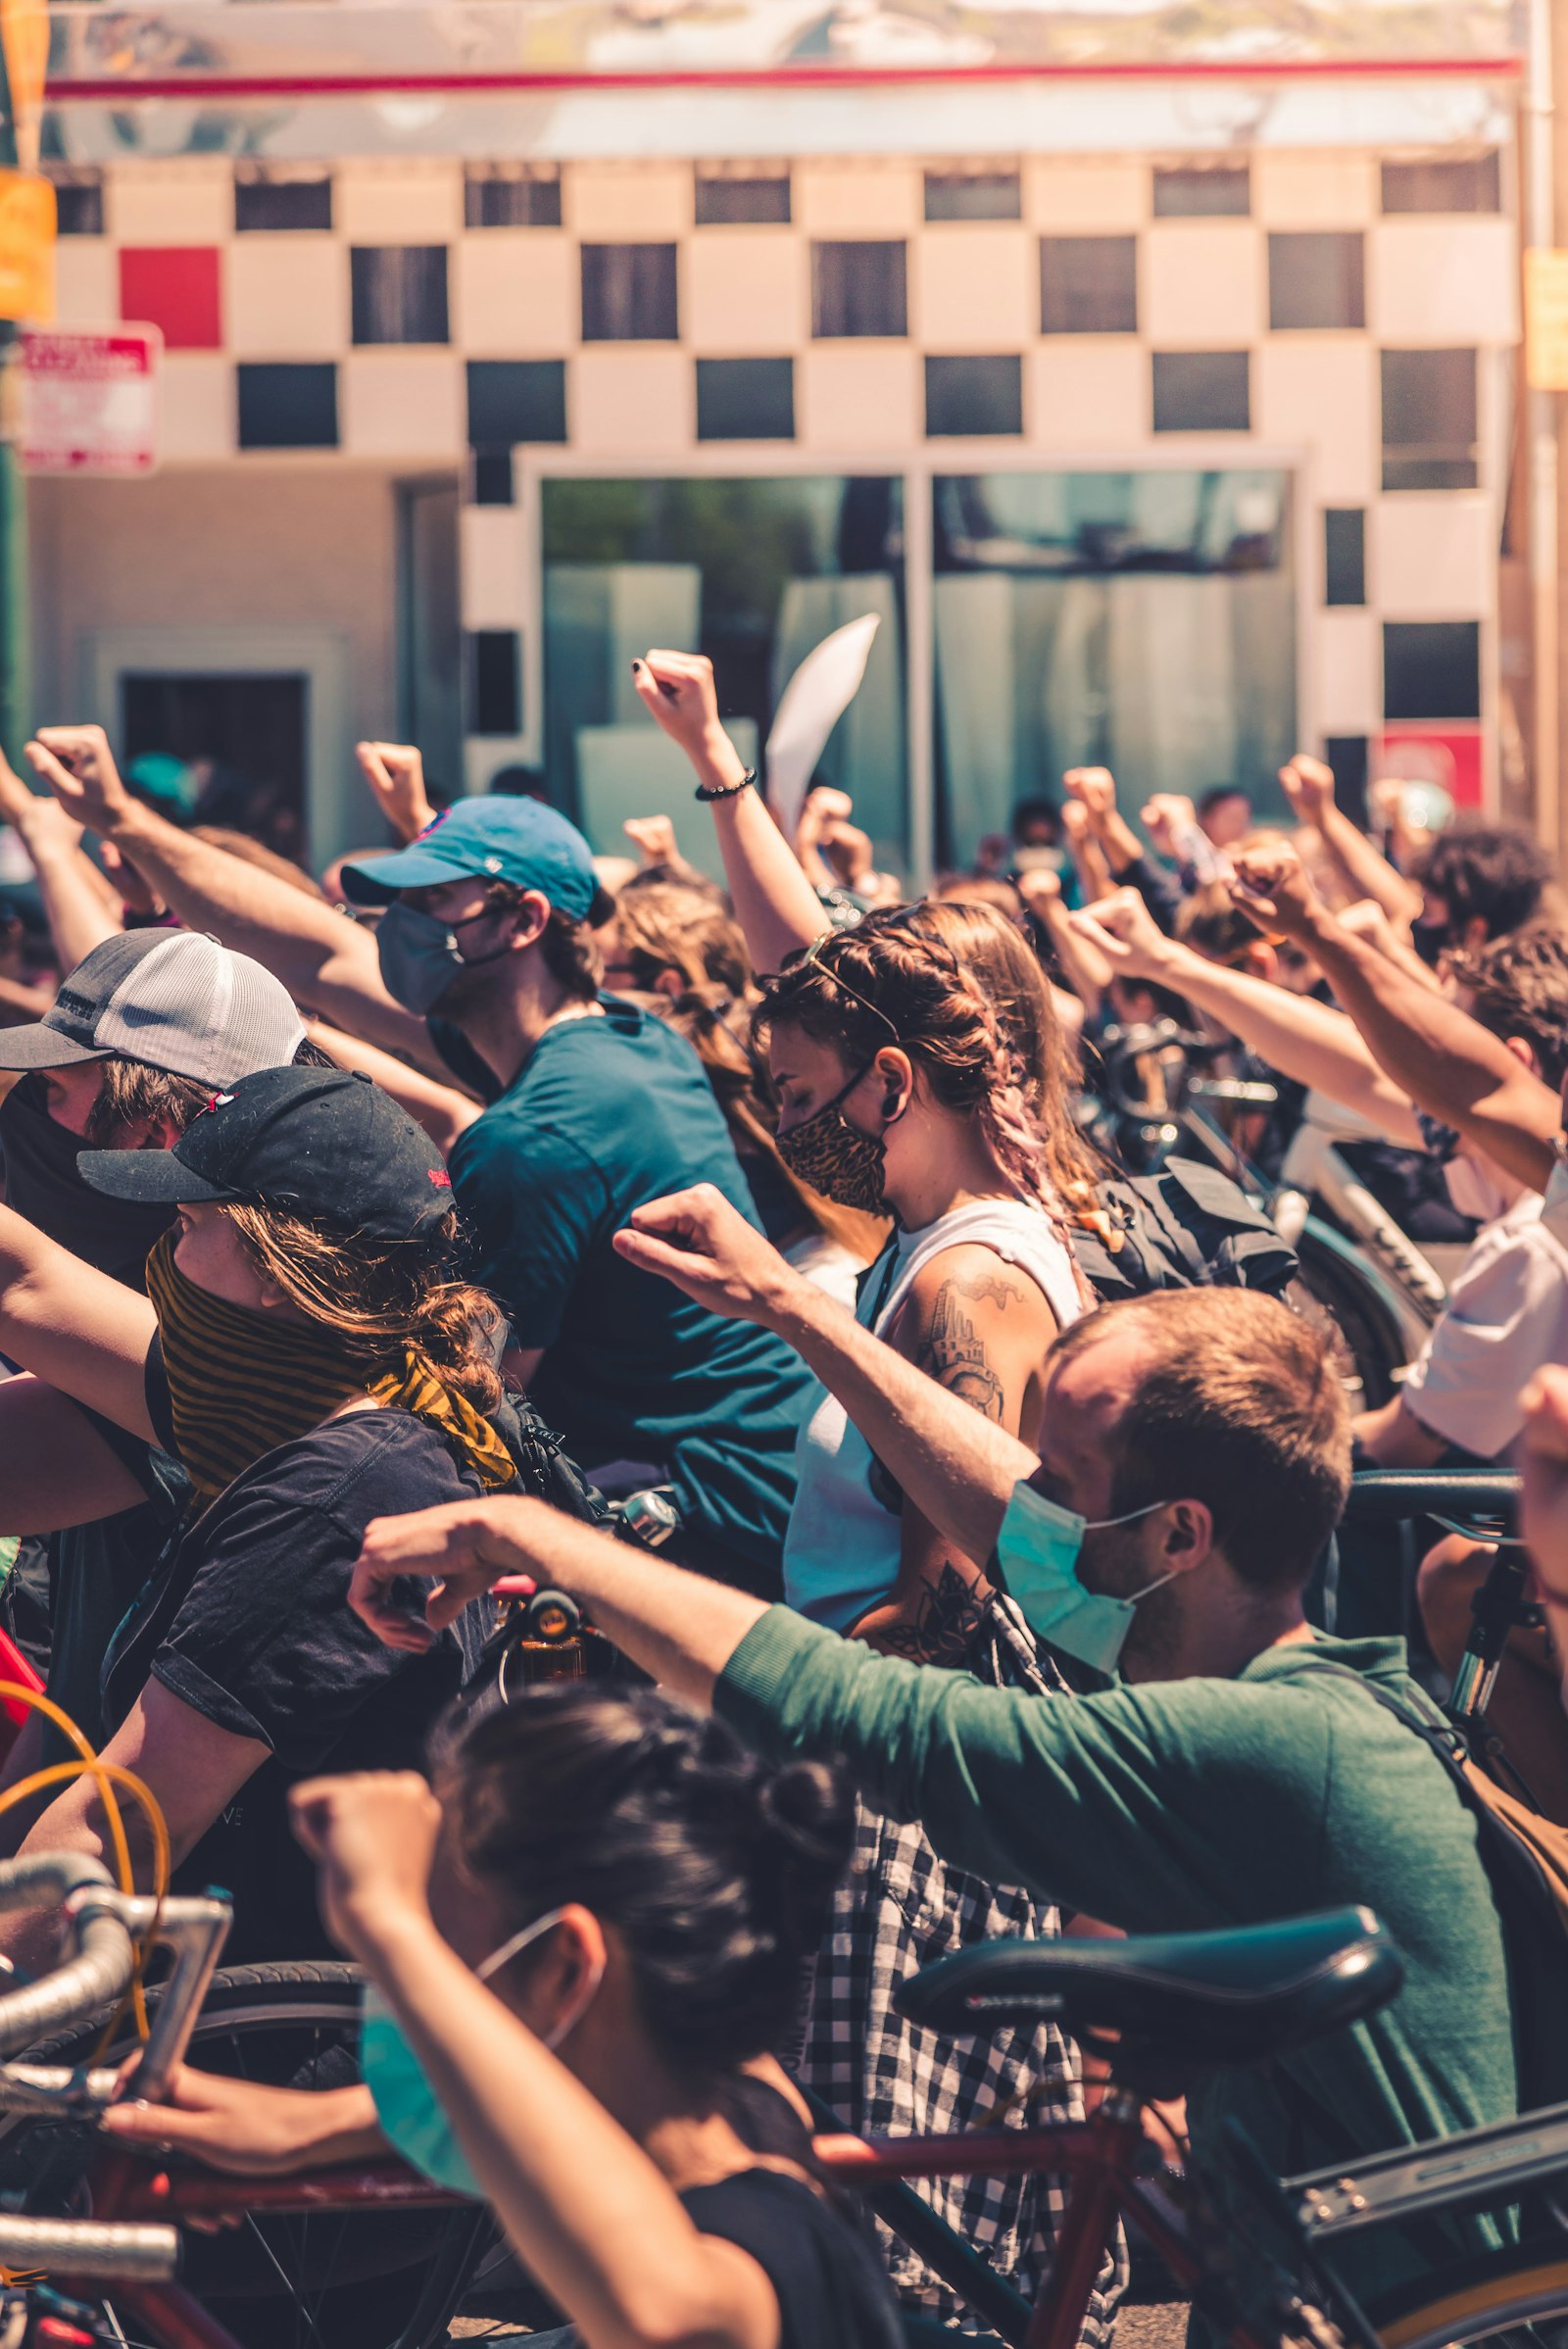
{"x":1038,"y":1549}
{"x":410,"y":2112}
{"x":420,"y":954}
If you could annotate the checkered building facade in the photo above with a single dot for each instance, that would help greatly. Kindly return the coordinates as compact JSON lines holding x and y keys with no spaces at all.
{"x":1348,"y":315}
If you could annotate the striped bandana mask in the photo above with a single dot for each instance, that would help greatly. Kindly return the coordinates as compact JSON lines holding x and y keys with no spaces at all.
{"x":241,"y":1383}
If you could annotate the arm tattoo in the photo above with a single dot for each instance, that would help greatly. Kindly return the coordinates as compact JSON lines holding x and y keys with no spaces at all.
{"x":949,"y":1618}
{"x":952,"y":1352}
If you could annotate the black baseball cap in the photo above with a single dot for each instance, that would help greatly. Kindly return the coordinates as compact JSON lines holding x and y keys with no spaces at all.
{"x":322,"y":1143}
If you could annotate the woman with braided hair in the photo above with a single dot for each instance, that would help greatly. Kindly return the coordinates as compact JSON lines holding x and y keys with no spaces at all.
{"x":910,"y":1070}
{"x":903,"y":1092}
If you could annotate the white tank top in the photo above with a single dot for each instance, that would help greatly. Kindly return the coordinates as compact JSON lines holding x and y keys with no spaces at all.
{"x":842,"y":1547}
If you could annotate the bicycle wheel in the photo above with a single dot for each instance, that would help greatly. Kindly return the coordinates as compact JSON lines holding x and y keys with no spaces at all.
{"x":1366,"y":1336}
{"x":1513,"y":2299}
{"x":336,"y":2279}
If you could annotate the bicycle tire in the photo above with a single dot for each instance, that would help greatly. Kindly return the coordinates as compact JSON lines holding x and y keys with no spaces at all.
{"x":1374,"y":1347}
{"x":395,"y":2284}
{"x":1480,"y":2300}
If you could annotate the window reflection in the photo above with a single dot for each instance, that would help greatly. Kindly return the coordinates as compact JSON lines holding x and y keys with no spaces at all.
{"x":1142,"y":622}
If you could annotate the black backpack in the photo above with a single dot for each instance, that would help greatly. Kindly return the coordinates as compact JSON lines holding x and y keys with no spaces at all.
{"x":544,"y":1469}
{"x":1186,"y":1227}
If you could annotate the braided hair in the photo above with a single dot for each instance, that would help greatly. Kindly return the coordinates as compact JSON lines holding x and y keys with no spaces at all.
{"x":895,"y":979}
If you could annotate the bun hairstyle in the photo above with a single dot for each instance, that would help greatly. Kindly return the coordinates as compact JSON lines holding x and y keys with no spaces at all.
{"x":715,"y":1869}
{"x":894,"y":978}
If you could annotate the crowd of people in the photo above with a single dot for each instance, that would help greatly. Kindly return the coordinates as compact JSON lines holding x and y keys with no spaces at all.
{"x":369,"y":1238}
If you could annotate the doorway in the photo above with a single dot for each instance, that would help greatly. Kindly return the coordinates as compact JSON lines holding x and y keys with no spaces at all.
{"x":244,"y":737}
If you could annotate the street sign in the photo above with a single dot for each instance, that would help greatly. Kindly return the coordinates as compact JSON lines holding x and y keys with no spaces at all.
{"x":1547,"y":319}
{"x":89,"y":402}
{"x":27,"y":246}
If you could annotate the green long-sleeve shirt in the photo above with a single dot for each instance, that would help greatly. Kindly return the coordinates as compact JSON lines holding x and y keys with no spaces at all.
{"x":1180,"y":1807}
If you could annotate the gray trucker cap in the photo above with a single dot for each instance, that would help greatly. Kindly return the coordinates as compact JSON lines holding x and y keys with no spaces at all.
{"x":171,"y":997}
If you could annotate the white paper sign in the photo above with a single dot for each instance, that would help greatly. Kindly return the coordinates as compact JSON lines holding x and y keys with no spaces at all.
{"x":810,"y":708}
{"x":90,"y":401}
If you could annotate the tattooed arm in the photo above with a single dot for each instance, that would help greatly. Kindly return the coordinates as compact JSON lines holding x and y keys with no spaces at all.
{"x":980,"y":1327}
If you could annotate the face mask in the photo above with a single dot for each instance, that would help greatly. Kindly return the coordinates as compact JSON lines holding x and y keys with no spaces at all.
{"x":420,"y":956}
{"x":1554,"y":1207}
{"x":1038,"y":1549}
{"x":832,"y":1156}
{"x":41,"y":1183}
{"x":1473,"y":1191}
{"x":407,"y":2106}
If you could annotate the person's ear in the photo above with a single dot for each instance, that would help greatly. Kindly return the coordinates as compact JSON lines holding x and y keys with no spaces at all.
{"x":1260,"y":961}
{"x":1474,"y":935}
{"x":894,"y":1072}
{"x":528,"y":919}
{"x":1523,"y":1051}
{"x":670,"y":984}
{"x":571,"y":1967}
{"x":1186,"y":1535}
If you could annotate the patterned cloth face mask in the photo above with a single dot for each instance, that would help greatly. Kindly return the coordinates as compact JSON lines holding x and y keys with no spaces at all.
{"x":833,"y":1157}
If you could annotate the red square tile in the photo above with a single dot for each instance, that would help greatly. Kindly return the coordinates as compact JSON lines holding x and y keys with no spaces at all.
{"x":174,"y":287}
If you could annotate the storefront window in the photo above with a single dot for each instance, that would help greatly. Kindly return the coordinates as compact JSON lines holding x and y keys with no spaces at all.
{"x":1140,"y":621}
{"x":752,"y":572}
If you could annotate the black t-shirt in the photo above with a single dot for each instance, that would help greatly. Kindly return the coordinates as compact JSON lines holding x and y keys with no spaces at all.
{"x":245,"y":1620}
{"x":832,"y":2292}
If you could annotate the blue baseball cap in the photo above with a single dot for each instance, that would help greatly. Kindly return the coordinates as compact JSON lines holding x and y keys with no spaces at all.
{"x":519,"y":841}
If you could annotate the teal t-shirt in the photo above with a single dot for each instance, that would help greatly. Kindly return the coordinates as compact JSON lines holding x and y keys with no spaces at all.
{"x":607,"y":1115}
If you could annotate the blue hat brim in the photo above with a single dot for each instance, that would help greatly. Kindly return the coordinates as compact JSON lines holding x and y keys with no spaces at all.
{"x":377,"y":880}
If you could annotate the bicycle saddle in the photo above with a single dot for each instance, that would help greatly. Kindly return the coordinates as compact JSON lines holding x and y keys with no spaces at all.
{"x":1176,"y":2003}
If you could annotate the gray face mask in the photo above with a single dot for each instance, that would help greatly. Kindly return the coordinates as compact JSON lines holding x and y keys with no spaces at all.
{"x":420,"y":956}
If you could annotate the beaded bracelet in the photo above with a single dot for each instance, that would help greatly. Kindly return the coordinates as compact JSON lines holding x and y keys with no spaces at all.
{"x":730,"y":790}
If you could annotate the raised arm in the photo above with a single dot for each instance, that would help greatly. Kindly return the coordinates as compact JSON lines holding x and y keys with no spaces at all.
{"x":1308,"y":785}
{"x":1094,"y":788}
{"x":79,"y":906}
{"x":1302,"y":1039}
{"x":1445,"y":1062}
{"x":71,"y":1325}
{"x":775,"y":904}
{"x":322,"y":959}
{"x":1083,"y":966}
{"x":957,"y":1468}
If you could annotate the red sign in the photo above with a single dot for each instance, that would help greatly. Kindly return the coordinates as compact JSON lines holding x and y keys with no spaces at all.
{"x":89,"y":402}
{"x":1436,"y":753}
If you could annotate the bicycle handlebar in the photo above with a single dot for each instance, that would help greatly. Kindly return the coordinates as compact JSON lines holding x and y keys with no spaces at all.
{"x":100,"y":1966}
{"x":1384,"y":1496}
{"x":91,"y":2250}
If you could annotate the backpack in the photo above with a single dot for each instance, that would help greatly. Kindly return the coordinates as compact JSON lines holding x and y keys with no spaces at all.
{"x":1186,"y":1227}
{"x":1526,"y":1860}
{"x":544,"y":1469}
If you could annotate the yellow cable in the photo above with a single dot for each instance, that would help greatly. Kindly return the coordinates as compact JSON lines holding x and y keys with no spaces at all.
{"x":104,"y":1775}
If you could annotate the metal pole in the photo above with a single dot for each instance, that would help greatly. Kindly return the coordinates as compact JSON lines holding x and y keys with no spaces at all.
{"x":1540,"y":225}
{"x":15,"y":634}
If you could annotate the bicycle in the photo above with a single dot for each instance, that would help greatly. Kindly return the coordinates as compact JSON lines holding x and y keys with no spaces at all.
{"x":1241,"y":1997}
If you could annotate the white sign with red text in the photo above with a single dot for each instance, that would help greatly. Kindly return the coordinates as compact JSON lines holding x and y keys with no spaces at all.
{"x":90,"y":400}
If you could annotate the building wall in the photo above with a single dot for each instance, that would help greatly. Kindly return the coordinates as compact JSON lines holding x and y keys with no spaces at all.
{"x":264,"y":564}
{"x":404,"y":331}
